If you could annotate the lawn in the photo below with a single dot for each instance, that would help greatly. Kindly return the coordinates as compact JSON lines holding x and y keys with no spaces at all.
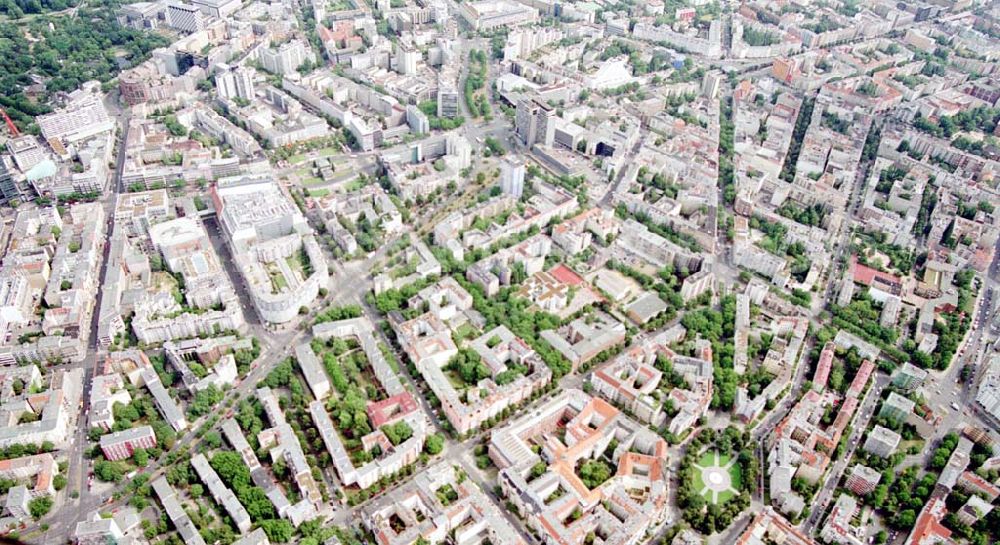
{"x":354,"y":185}
{"x":278,"y":280}
{"x":736,"y":474}
{"x":713,"y":459}
{"x":321,"y":192}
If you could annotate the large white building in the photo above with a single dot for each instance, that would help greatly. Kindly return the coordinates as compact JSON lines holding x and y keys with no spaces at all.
{"x":512,"y":176}
{"x":988,"y":395}
{"x":274,"y":247}
{"x":185,"y":17}
{"x":82,"y":116}
{"x":491,"y":14}
{"x":286,"y":58}
{"x":235,"y":83}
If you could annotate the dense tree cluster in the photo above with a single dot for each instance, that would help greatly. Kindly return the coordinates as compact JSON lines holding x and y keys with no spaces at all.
{"x":980,"y":118}
{"x":901,"y":259}
{"x":398,"y":432}
{"x":810,"y":215}
{"x":594,"y":472}
{"x":18,"y":8}
{"x":430,"y":108}
{"x":468,"y":365}
{"x":754,"y":37}
{"x":204,"y":401}
{"x":939,"y":458}
{"x":861,"y":316}
{"x":717,"y":326}
{"x":475,"y":80}
{"x":334,"y":314}
{"x":67,"y":53}
{"x":39,"y":506}
{"x":434,"y":444}
{"x":798,"y":134}
{"x":666,"y":231}
{"x":141,"y":409}
{"x":702,"y":515}
{"x":231,"y":469}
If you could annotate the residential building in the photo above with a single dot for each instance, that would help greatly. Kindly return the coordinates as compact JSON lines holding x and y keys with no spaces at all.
{"x":176,"y":513}
{"x":516,"y":372}
{"x":882,"y":442}
{"x":546,"y":498}
{"x":839,"y":527}
{"x":535,"y":122}
{"x":436,"y":503}
{"x":988,"y":395}
{"x":286,"y":58}
{"x":222,"y":495}
{"x":97,"y":530}
{"x":235,"y":83}
{"x":974,"y":510}
{"x":770,"y":527}
{"x":185,"y":17}
{"x":974,"y":484}
{"x":896,"y":407}
{"x":37,"y":470}
{"x":908,"y":377}
{"x":122,"y":444}
{"x":313,"y":371}
{"x":105,"y":392}
{"x":929,"y":528}
{"x":282,"y":444}
{"x":696,"y":284}
{"x":512,"y":176}
{"x":486,"y":15}
{"x":275,"y":250}
{"x":584,"y":338}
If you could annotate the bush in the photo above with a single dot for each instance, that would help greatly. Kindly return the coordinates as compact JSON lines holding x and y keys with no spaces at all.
{"x":40,"y":506}
{"x":434,"y":444}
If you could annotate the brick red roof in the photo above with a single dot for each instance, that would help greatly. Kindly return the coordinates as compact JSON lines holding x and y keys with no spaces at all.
{"x":566,"y":275}
{"x":391,"y":409}
{"x":866,"y":275}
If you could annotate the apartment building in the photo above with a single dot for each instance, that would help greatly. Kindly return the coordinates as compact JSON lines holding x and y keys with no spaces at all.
{"x":122,"y":444}
{"x":640,"y":457}
{"x":439,"y":501}
{"x":516,"y":372}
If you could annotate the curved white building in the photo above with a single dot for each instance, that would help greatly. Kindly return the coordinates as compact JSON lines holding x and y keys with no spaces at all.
{"x":272,"y":245}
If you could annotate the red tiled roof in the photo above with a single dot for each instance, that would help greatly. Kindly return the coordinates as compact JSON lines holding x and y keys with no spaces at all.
{"x":390,"y":409}
{"x":866,"y":275}
{"x":566,"y":275}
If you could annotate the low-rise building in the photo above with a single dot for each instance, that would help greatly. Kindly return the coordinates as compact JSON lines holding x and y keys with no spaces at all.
{"x":584,"y":338}
{"x":175,"y":512}
{"x":839,"y":528}
{"x":312,"y":370}
{"x":122,"y":444}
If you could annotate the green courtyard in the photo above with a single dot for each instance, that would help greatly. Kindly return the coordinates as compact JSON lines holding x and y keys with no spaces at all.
{"x":717,"y":477}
